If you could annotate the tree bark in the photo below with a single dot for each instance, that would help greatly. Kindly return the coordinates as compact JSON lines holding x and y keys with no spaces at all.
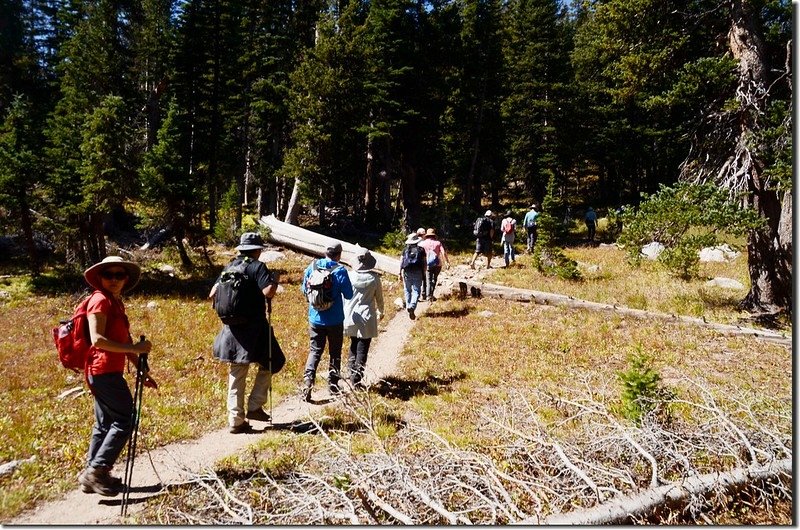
{"x":769,"y":249}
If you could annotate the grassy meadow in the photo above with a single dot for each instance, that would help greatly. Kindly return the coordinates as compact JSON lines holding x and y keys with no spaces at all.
{"x":466,"y":358}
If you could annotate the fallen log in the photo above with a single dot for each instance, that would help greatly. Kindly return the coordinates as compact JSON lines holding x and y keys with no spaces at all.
{"x":477,"y":289}
{"x":622,"y":510}
{"x":309,"y":242}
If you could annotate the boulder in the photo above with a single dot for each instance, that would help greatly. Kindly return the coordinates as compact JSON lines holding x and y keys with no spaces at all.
{"x":268,"y":256}
{"x":720,"y":253}
{"x":652,"y":250}
{"x":724,"y":283}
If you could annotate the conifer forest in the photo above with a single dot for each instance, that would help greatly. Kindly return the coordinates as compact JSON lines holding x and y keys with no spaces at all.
{"x":189,"y":114}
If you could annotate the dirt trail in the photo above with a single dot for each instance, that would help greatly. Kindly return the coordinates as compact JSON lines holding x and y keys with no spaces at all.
{"x":178,"y":462}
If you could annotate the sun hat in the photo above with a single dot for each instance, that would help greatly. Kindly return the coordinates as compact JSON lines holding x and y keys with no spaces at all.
{"x":92,"y":274}
{"x":421,"y":232}
{"x":413,"y":239}
{"x":488,"y":213}
{"x":430,"y":232}
{"x":366,"y":261}
{"x":250,"y":241}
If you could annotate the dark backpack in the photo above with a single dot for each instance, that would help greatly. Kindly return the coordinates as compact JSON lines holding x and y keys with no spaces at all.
{"x":483,"y":227}
{"x":72,"y":339}
{"x":413,"y":257}
{"x":230,"y":298}
{"x":319,"y":287}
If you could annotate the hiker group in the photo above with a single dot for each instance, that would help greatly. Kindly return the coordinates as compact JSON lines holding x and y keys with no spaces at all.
{"x":341,"y":304}
{"x":484,"y":232}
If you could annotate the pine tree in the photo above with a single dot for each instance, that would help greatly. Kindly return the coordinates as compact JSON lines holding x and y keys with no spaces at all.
{"x":548,"y":256}
{"x":535,"y":108}
{"x":167,"y":184}
{"x":20,"y":171}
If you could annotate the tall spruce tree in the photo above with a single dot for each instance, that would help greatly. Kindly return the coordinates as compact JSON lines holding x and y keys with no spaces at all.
{"x":535,"y":108}
{"x":95,"y":62}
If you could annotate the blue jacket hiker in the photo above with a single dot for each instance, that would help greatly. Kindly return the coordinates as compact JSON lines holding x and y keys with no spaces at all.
{"x":326,"y":324}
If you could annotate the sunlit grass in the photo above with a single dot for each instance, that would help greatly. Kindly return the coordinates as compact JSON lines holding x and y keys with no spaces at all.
{"x":608,"y":278}
{"x":520,"y":348}
{"x":467,"y":361}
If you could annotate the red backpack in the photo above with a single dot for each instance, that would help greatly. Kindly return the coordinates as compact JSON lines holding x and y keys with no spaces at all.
{"x":72,"y":339}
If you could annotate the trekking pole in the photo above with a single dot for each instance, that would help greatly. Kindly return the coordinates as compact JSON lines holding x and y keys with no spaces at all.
{"x":141,"y":370}
{"x":269,"y":355}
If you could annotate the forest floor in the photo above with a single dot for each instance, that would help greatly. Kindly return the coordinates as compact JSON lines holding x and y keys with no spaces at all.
{"x":156,"y":470}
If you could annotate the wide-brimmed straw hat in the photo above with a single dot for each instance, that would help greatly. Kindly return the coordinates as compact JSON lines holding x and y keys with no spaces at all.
{"x":92,"y":274}
{"x":250,"y":241}
{"x":413,"y":239}
{"x":366,"y":261}
{"x":430,"y":232}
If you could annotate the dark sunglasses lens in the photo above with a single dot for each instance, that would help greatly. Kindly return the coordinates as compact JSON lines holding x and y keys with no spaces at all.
{"x":114,"y":275}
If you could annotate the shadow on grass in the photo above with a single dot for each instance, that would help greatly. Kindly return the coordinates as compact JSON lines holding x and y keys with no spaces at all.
{"x":404,"y":390}
{"x":450,"y":313}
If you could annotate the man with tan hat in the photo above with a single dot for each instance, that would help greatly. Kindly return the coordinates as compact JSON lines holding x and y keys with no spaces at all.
{"x":529,"y":222}
{"x":247,"y":337}
{"x":484,"y":233}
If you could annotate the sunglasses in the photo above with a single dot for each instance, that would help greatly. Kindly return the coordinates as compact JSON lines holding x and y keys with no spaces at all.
{"x":108,"y":275}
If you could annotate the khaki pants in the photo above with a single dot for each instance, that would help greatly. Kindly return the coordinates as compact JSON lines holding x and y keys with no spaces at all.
{"x":237,"y":377}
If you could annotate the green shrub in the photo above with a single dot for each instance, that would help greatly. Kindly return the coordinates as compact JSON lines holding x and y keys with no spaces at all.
{"x":548,"y":257}
{"x":641,"y":387}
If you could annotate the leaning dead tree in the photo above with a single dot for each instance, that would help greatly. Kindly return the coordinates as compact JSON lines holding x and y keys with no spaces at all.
{"x":729,"y":150}
{"x":545,"y":458}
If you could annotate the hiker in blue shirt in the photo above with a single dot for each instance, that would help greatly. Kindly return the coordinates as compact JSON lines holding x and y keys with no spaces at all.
{"x":529,"y":222}
{"x":327,"y":324}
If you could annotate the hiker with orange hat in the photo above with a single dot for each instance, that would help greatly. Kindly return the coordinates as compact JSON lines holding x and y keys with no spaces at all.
{"x":109,"y":331}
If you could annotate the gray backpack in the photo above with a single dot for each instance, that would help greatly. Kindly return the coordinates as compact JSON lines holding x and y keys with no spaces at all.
{"x":319,"y":288}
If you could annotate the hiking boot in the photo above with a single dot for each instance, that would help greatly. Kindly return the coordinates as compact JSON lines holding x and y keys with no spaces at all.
{"x":258,"y":415}
{"x":411,"y":314}
{"x":307,"y":393}
{"x":334,"y":389}
{"x":99,"y":480}
{"x":242,"y":428}
{"x":86,"y":488}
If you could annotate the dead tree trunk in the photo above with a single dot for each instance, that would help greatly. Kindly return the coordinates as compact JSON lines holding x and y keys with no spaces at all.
{"x":626,"y":509}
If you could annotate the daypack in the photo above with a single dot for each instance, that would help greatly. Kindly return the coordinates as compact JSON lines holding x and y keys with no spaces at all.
{"x":229,"y":298}
{"x":319,"y":287}
{"x":483,"y":227}
{"x":508,"y":226}
{"x":412,"y":257}
{"x":72,"y":339}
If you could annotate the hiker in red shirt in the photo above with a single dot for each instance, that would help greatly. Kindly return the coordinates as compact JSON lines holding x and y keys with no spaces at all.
{"x":111,"y":347}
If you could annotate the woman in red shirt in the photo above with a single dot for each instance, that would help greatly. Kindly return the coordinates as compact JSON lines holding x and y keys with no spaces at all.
{"x":111,"y":347}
